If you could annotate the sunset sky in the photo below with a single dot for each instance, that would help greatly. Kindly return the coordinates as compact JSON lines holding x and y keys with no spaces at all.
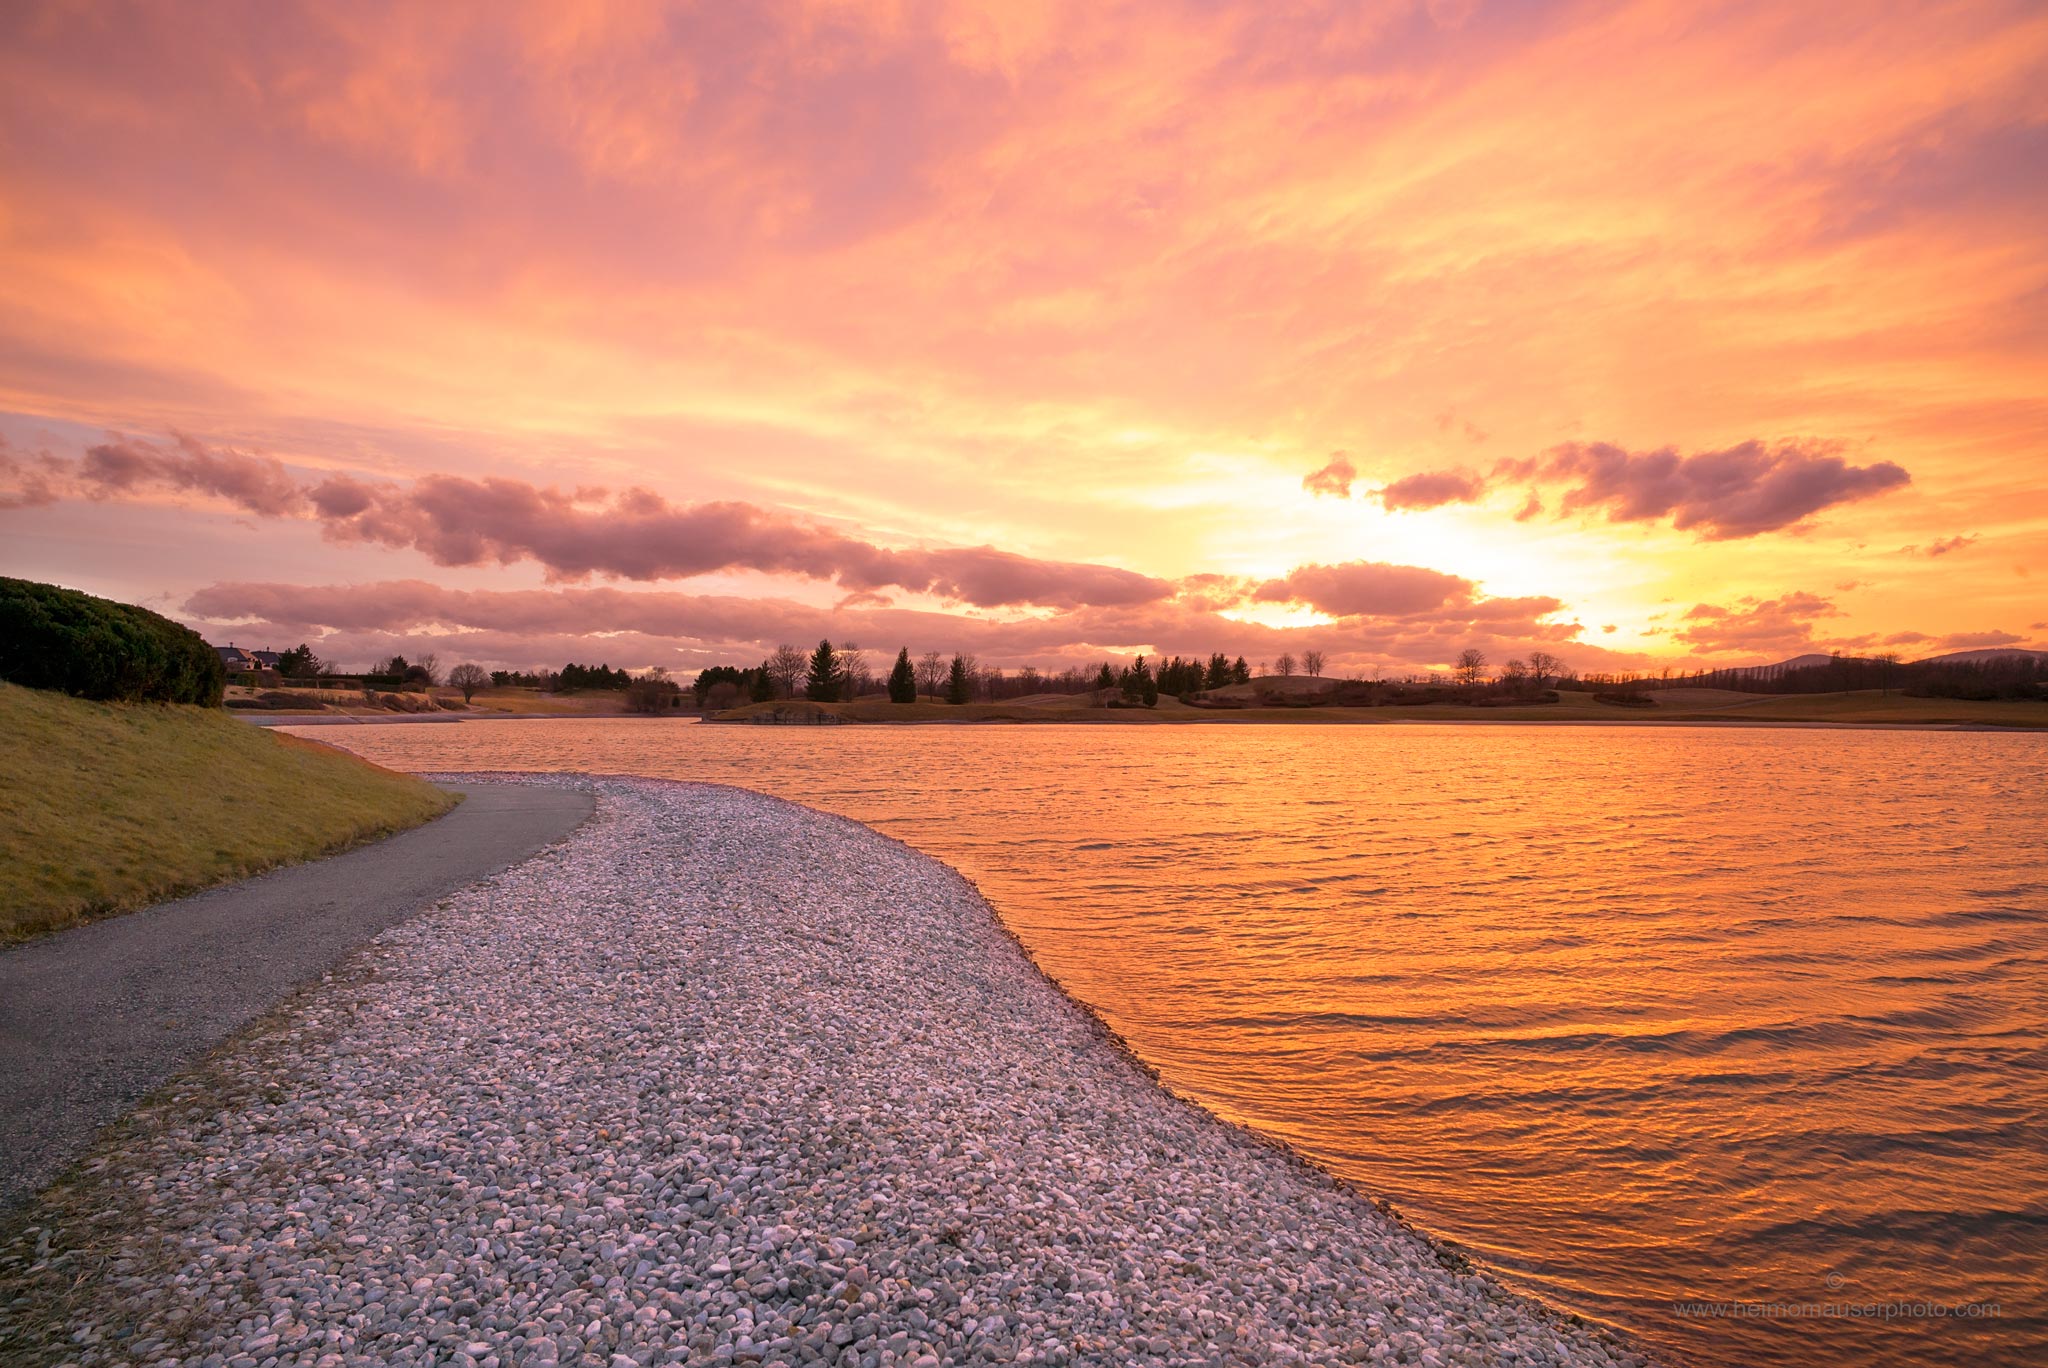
{"x":662,"y":334}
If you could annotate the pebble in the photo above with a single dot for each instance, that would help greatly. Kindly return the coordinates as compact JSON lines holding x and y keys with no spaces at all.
{"x":724,"y":1080}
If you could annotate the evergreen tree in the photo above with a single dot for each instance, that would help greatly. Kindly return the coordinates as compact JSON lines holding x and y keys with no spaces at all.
{"x":1139,"y":686}
{"x":1240,"y":673}
{"x":299,"y":662}
{"x":903,"y":679}
{"x":1218,"y":673}
{"x":1180,"y":677}
{"x":822,"y":686}
{"x":958,"y":686}
{"x":1106,"y":679}
{"x":762,"y":686}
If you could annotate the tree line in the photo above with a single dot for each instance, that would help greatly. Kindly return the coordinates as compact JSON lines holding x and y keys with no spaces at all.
{"x":838,"y":672}
{"x":842,"y":671}
{"x":2011,"y":674}
{"x":834,"y":672}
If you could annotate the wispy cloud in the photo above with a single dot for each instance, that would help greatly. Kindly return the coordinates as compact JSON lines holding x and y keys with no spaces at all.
{"x":30,"y":480}
{"x":1941,"y":546}
{"x":1782,"y":624}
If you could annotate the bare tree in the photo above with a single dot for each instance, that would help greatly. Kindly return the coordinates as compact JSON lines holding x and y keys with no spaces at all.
{"x":1312,"y":664}
{"x":653,"y":692}
{"x":427,"y":669}
{"x":1284,"y":666}
{"x":1515,"y":674}
{"x":469,"y":678}
{"x":855,"y":670}
{"x":931,"y":672}
{"x":1543,"y":667}
{"x":1471,"y":666}
{"x":786,"y":667}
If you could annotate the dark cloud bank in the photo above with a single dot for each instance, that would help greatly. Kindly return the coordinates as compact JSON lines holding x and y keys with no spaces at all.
{"x":1735,"y":492}
{"x":1391,"y":613}
{"x":636,"y":535}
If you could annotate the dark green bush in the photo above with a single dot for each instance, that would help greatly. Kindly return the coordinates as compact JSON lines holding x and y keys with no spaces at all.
{"x":60,"y":639}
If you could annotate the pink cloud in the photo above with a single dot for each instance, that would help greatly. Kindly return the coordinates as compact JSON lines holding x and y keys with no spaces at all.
{"x":1969,"y":641}
{"x":256,"y":483}
{"x":1432,"y":489}
{"x":29,"y":481}
{"x":1738,"y":491}
{"x":1780,"y":624}
{"x":1367,"y":588}
{"x":1333,"y":478}
{"x":638,"y":535}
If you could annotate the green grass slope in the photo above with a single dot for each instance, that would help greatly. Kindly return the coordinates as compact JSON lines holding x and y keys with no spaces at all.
{"x":1869,"y":706}
{"x":111,"y":806}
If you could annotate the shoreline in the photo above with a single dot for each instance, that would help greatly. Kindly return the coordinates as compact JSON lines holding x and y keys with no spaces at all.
{"x":969,"y":1164}
{"x":1445,"y":1250}
{"x":1712,"y":723}
{"x":1294,"y":719}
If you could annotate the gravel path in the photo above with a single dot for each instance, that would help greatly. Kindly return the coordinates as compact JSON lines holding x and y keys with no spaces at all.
{"x":718,"y":1080}
{"x":95,"y":1018}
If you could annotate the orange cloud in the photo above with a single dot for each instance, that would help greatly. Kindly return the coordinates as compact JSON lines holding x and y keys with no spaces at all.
{"x":1092,"y":283}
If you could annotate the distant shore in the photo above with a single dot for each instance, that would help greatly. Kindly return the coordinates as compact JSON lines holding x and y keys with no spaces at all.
{"x":1291,"y":701}
{"x":1666,"y":707}
{"x":1333,"y":717}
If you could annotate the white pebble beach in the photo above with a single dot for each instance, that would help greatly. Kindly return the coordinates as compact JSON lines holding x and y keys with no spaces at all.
{"x":722,"y":1079}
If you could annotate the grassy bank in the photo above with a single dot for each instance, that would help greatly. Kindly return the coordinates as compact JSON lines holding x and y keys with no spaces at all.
{"x":1866,"y":708}
{"x":1862,"y":707}
{"x":113,"y":806}
{"x":290,"y":701}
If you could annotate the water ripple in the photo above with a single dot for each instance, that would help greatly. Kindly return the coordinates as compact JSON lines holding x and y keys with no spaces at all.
{"x":1638,"y":1017}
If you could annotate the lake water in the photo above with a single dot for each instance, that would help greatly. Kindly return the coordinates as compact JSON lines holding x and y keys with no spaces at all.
{"x":1637,"y":1017}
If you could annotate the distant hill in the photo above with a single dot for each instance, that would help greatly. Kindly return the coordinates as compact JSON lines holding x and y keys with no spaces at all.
{"x":1798,"y":662}
{"x":1984,"y":674}
{"x":1813,"y":658}
{"x":1988,"y":653}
